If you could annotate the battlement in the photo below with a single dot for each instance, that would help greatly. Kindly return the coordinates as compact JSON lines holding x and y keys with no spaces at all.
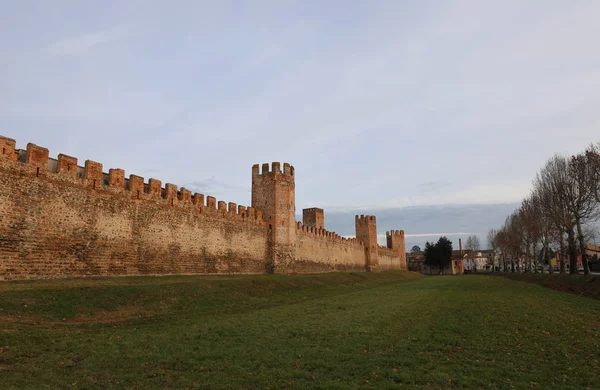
{"x":36,"y":161}
{"x":365,"y":220}
{"x":312,"y":231}
{"x":384,"y":250}
{"x":394,"y":233}
{"x":75,"y":218}
{"x":275,"y":170}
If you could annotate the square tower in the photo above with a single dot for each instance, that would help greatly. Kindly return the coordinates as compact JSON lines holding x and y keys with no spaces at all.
{"x":366,"y":231}
{"x":395,"y":242}
{"x":273,"y":192}
{"x":313,"y":217}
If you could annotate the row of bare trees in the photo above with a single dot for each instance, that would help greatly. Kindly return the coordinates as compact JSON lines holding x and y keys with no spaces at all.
{"x":556,"y":217}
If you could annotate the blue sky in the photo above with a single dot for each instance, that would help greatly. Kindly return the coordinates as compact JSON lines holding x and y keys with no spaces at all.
{"x":379,"y":105}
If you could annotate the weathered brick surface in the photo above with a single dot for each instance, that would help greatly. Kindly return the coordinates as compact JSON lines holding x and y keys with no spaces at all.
{"x":61,"y":220}
{"x":57,"y":228}
{"x":326,"y":252}
{"x":389,"y":260}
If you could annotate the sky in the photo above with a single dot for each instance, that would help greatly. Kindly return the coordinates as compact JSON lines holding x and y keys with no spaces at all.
{"x":414,"y":111}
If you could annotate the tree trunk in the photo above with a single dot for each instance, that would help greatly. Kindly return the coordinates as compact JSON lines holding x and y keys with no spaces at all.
{"x":527,"y":257}
{"x":562,"y":254}
{"x":535,"y":259}
{"x":586,"y":266}
{"x":572,"y":250}
{"x":546,"y":254}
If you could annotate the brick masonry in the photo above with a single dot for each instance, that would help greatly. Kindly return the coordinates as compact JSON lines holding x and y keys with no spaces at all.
{"x":59,"y":219}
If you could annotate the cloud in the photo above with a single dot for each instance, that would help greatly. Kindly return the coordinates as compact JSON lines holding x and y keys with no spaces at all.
{"x":78,"y":44}
{"x":211,"y":186}
{"x":381,"y":106}
{"x":436,"y":234}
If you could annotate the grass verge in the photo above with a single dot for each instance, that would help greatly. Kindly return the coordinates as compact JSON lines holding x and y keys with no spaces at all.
{"x":574,"y":284}
{"x":317,"y":331}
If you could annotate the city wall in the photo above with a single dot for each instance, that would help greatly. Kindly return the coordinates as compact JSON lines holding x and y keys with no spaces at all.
{"x":60,"y":219}
{"x":326,"y":251}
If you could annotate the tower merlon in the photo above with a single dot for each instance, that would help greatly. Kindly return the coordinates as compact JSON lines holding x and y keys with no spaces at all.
{"x":37,"y":156}
{"x":155,"y":188}
{"x":276,"y":168}
{"x":211,"y":203}
{"x":136,"y":185}
{"x":93,"y":174}
{"x":185,"y":195}
{"x":170,"y":191}
{"x":67,"y":165}
{"x":232,"y":208}
{"x":7,"y":146}
{"x":116,"y":177}
{"x":198,"y":200}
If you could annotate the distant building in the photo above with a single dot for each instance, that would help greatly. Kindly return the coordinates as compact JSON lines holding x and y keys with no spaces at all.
{"x":414,"y":262}
{"x":476,"y":262}
{"x":456,"y":267}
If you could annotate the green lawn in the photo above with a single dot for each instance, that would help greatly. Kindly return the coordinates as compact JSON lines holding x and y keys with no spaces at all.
{"x":328,"y":331}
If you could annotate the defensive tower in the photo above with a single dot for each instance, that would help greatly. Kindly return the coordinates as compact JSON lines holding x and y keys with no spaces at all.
{"x":366,"y":231}
{"x":395,"y":242}
{"x":273,"y":191}
{"x":313,"y":217}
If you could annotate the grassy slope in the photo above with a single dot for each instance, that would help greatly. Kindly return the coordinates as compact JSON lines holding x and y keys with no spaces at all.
{"x":326,"y":331}
{"x":575,"y":283}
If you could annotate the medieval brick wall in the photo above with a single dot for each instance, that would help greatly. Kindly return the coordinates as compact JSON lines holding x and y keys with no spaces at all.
{"x":58,"y":219}
{"x":325,"y":251}
{"x":61,"y":225}
{"x":390,"y":259}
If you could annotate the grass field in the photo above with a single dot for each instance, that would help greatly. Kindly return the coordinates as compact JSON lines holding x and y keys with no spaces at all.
{"x":328,"y":331}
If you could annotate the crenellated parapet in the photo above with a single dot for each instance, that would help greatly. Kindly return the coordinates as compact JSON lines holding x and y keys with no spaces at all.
{"x":35,"y":161}
{"x":322,"y":234}
{"x":396,"y":244}
{"x":275,"y":170}
{"x":80,"y":218}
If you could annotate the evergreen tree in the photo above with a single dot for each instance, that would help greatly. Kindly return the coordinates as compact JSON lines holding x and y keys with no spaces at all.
{"x":438,"y":255}
{"x":444,"y":247}
{"x":430,"y":258}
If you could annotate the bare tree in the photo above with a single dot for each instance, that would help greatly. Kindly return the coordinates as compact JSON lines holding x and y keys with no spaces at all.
{"x":552,"y":184}
{"x":513,"y":240}
{"x":493,"y":244}
{"x":558,"y":214}
{"x":530,"y":213}
{"x":545,"y":227}
{"x":473,"y":243}
{"x":581,"y":198}
{"x":592,"y":154}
